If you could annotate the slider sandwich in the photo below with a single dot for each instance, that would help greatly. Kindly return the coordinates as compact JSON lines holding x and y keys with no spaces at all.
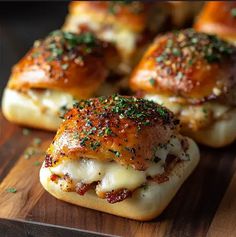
{"x":57,"y":70}
{"x":194,"y":75}
{"x":120,"y":155}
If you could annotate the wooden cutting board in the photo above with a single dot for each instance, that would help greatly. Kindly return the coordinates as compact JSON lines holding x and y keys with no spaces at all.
{"x":205,"y":205}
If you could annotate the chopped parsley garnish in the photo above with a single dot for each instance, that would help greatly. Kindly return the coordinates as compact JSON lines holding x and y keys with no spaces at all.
{"x":35,"y":54}
{"x":59,"y":42}
{"x":114,"y":116}
{"x":95,"y":145}
{"x":187,"y":47}
{"x":37,"y":141}
{"x":179,"y":76}
{"x":29,"y":152}
{"x":108,"y":131}
{"x":233,"y":12}
{"x":112,"y":8}
{"x":64,"y":66}
{"x":152,"y":81}
{"x":83,"y":140}
{"x":160,"y":58}
{"x":37,"y":163}
{"x":25,"y":131}
{"x":11,"y":190}
{"x":176,"y":52}
{"x":117,"y":153}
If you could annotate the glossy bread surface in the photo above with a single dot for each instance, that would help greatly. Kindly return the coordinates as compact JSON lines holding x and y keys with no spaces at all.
{"x":132,"y":15}
{"x":187,"y":64}
{"x":218,"y":18}
{"x":123,"y":129}
{"x":65,"y":61}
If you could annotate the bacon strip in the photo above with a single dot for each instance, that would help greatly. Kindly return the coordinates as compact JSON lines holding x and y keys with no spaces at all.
{"x":118,"y":195}
{"x":82,"y":188}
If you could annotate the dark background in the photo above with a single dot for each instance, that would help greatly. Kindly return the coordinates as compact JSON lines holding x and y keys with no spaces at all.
{"x":21,"y":23}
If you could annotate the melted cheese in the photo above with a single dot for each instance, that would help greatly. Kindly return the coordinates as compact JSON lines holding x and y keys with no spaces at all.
{"x":113,"y":176}
{"x":51,"y":100}
{"x":197,"y":112}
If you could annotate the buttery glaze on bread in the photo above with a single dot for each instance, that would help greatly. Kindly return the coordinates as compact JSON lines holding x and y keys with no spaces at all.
{"x":130,"y":25}
{"x":194,"y":75}
{"x":120,"y":155}
{"x":62,"y":67}
{"x":218,"y":18}
{"x":73,"y":63}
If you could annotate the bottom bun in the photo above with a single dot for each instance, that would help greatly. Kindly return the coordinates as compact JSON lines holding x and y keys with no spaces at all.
{"x":221,"y":133}
{"x":145,"y":203}
{"x":21,"y":109}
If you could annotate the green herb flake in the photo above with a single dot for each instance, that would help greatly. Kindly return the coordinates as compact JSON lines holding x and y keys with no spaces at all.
{"x":160,"y":58}
{"x":233,"y":12}
{"x":35,"y":54}
{"x":169,"y":43}
{"x":64,"y":66}
{"x":49,"y":59}
{"x":161,"y":111}
{"x":25,"y":131}
{"x":152,"y":81}
{"x":11,"y":190}
{"x":179,"y":76}
{"x":205,"y":111}
{"x":108,"y":131}
{"x":29,"y":152}
{"x":76,"y":135}
{"x":95,"y":145}
{"x":37,"y":141}
{"x":117,"y":153}
{"x":37,"y":163}
{"x":112,"y":8}
{"x":83,"y":140}
{"x":176,"y":52}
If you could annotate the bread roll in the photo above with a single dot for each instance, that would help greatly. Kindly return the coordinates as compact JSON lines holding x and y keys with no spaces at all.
{"x":119,"y":155}
{"x":58,"y":70}
{"x":129,"y":25}
{"x":194,"y":75}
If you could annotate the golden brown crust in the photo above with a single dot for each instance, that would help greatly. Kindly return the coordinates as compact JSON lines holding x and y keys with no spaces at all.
{"x":218,"y":18}
{"x":129,"y":25}
{"x":131,"y":14}
{"x":69,"y":62}
{"x":123,"y":129}
{"x":188,"y":64}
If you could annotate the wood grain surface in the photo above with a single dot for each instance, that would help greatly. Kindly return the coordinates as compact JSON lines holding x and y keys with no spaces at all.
{"x":196,"y":210}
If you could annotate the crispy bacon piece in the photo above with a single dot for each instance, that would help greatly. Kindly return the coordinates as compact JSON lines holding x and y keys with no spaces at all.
{"x":48,"y":161}
{"x":160,"y":178}
{"x":184,"y":144}
{"x":171,"y":161}
{"x":82,"y":188}
{"x":118,"y":195}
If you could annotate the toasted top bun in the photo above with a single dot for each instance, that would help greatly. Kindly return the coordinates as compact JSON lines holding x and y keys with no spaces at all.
{"x":218,"y":18}
{"x":132,"y":15}
{"x":123,"y":129}
{"x":74,"y":63}
{"x":194,"y":66}
{"x":129,"y":25}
